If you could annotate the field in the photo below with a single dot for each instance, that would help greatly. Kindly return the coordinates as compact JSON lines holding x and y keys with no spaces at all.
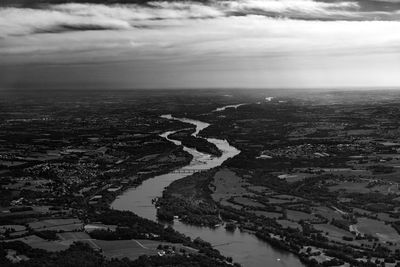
{"x":334,"y":232}
{"x":295,"y":177}
{"x":278,"y":201}
{"x":37,"y":242}
{"x":298,"y":215}
{"x":122,"y":248}
{"x":244,"y":201}
{"x":57,"y":225}
{"x":281,"y":199}
{"x":112,"y":249}
{"x":378,"y":229}
{"x":327,"y":212}
{"x":258,"y":189}
{"x":227,"y":184}
{"x":73,"y":236}
{"x":132,"y":249}
{"x":386,"y":217}
{"x":351,"y":187}
{"x":15,"y":227}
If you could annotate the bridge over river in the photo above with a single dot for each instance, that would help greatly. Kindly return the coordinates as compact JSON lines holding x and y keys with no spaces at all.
{"x":188,"y":170}
{"x":243,"y":247}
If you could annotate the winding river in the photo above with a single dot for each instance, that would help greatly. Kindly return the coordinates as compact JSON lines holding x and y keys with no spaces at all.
{"x":243,"y":247}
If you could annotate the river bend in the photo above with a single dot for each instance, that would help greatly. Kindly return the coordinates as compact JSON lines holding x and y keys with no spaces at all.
{"x":243,"y":247}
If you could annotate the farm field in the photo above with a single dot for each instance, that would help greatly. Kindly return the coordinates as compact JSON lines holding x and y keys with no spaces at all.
{"x":227,"y":184}
{"x":351,"y":187}
{"x":73,"y":236}
{"x":378,"y":229}
{"x":57,"y":225}
{"x":132,"y":249}
{"x":52,"y":246}
{"x":326,"y":212}
{"x":14,"y":227}
{"x":244,"y":201}
{"x":298,"y":215}
{"x":289,"y":224}
{"x":334,"y":232}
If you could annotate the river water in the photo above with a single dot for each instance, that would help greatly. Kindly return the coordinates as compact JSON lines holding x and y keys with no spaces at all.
{"x":228,"y":106}
{"x":243,"y":247}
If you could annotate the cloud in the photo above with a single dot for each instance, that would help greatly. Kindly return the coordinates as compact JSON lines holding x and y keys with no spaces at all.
{"x":76,"y":17}
{"x":237,"y":36}
{"x":152,"y":10}
{"x":223,"y":36}
{"x":59,"y":28}
{"x":86,"y":17}
{"x":306,"y":10}
{"x":387,"y":1}
{"x":293,"y":8}
{"x":22,"y":21}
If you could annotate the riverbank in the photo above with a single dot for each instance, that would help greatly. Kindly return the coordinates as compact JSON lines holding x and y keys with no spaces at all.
{"x":200,"y":144}
{"x":135,"y":180}
{"x":194,"y":200}
{"x":243,"y":247}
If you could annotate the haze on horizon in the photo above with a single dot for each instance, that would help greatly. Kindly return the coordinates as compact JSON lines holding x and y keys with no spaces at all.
{"x":188,"y":44}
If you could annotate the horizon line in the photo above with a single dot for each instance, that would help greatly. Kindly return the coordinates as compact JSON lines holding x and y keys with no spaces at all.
{"x":341,"y":88}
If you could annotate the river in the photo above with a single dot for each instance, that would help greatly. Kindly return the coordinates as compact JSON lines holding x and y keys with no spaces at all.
{"x":228,"y":106}
{"x":243,"y":247}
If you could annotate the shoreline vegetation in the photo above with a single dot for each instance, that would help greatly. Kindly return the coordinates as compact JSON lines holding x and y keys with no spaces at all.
{"x":143,"y":177}
{"x":189,"y":199}
{"x":198,"y":143}
{"x":211,"y":256}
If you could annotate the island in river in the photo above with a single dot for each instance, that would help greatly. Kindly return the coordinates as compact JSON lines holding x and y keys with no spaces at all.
{"x":140,"y":201}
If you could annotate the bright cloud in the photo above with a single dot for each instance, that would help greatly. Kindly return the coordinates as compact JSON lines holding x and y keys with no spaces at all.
{"x":296,"y":8}
{"x":73,"y":16}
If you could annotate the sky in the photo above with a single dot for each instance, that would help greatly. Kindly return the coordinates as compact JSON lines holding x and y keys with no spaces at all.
{"x":210,"y":44}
